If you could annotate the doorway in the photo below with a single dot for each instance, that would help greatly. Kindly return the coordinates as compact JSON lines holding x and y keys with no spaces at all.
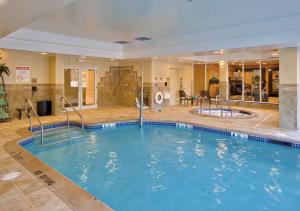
{"x":80,"y":87}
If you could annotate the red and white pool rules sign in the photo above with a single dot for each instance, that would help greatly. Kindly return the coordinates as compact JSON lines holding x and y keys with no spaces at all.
{"x":22,"y":74}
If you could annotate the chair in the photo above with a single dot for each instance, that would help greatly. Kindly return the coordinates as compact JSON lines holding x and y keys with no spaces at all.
{"x":183,"y":97}
{"x":205,"y":97}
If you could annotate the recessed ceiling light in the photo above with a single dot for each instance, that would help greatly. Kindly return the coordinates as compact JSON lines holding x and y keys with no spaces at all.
{"x":142,"y":38}
{"x":155,"y":57}
{"x":216,"y":52}
{"x":122,"y":42}
{"x":264,"y":63}
{"x":44,"y":53}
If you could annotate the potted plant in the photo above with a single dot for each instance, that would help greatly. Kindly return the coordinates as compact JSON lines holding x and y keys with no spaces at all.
{"x":4,"y":70}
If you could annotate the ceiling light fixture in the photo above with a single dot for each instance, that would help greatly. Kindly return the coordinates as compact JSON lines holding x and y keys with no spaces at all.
{"x":155,"y":57}
{"x":43,"y":53}
{"x":216,"y":52}
{"x":112,"y":59}
{"x":122,"y":42}
{"x":142,"y":38}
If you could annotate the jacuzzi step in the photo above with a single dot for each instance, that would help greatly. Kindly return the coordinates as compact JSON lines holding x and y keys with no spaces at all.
{"x":49,"y":143}
{"x":60,"y":136}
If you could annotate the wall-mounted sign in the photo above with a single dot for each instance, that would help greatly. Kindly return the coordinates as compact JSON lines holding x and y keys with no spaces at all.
{"x":22,"y":74}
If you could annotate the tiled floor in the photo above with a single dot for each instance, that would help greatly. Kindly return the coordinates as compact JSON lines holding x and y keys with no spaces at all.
{"x":28,"y":193}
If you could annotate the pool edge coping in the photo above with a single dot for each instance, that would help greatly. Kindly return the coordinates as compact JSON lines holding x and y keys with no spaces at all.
{"x":284,"y":141}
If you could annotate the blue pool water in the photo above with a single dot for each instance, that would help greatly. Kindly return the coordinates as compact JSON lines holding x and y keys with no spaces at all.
{"x":169,"y":168}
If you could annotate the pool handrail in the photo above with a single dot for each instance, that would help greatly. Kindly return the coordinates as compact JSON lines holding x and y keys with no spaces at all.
{"x":62,"y":98}
{"x":220,"y":99}
{"x":27,"y":101}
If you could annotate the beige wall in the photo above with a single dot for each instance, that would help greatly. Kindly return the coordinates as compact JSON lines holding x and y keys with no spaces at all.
{"x":49,"y":69}
{"x":162,"y":70}
{"x":39,"y":65}
{"x":288,"y":66}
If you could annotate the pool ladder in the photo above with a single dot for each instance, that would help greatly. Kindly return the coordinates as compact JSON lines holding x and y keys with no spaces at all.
{"x":28,"y":102}
{"x":62,"y":107}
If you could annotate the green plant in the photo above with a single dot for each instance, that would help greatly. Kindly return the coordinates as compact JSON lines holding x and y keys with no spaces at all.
{"x":4,"y":69}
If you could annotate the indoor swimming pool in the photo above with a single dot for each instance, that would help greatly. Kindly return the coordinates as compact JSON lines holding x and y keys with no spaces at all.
{"x":173,"y":167}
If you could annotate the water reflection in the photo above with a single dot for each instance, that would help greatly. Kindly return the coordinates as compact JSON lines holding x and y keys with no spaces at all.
{"x":180,"y":150}
{"x":112,"y":167}
{"x":239,"y":157}
{"x":220,"y":167}
{"x":221,"y":148}
{"x":273,"y":187}
{"x":112,"y":163}
{"x":156,"y":173}
{"x":199,"y":149}
{"x":84,"y":175}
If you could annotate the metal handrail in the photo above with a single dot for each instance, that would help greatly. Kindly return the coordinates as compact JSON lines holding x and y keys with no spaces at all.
{"x":201,"y":104}
{"x":220,"y":99}
{"x":37,"y":116}
{"x":74,"y":109}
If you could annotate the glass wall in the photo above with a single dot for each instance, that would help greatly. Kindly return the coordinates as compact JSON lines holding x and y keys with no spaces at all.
{"x":251,"y":81}
{"x":270,"y":81}
{"x":212,"y":79}
{"x":235,"y":81}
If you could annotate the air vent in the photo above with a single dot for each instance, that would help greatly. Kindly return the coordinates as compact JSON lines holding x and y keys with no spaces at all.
{"x":142,"y":38}
{"x":122,"y":42}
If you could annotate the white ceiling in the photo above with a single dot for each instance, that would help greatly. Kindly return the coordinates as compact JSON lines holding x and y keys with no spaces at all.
{"x":177,"y":27}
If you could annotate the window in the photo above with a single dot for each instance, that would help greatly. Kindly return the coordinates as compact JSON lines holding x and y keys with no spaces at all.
{"x":270,"y":81}
{"x":212,"y":77}
{"x":235,"y":80}
{"x":252,"y":81}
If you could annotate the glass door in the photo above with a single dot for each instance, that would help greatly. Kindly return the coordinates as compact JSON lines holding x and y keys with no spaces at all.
{"x":71,"y":86}
{"x":88,"y":88}
{"x":80,"y":87}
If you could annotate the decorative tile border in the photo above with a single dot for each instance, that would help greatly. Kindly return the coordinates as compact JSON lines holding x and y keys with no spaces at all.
{"x":174,"y":124}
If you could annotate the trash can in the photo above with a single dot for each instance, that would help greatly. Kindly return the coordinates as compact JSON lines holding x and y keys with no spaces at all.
{"x":44,"y":108}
